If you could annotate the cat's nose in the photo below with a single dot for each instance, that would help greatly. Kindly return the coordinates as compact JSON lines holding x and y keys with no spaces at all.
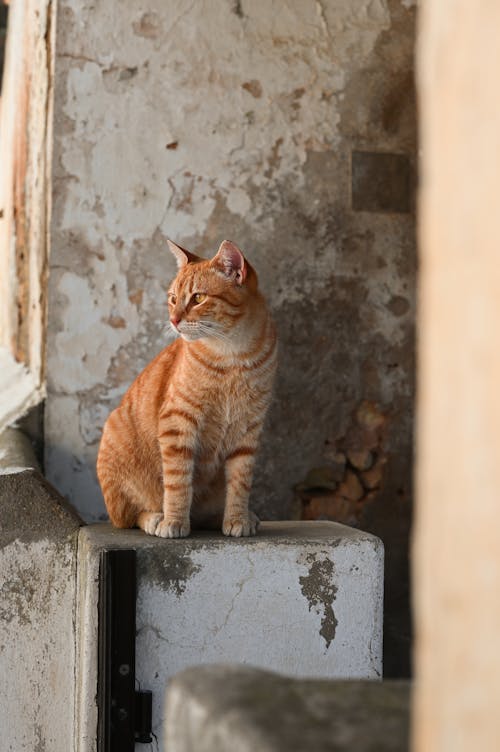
{"x":174,"y":321}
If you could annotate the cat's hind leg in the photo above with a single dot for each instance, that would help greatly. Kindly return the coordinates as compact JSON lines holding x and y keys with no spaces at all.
{"x":126,"y":504}
{"x":122,"y":512}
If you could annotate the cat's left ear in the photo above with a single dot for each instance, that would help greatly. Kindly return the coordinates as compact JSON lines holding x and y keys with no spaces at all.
{"x":182,"y":256}
{"x":231,"y":261}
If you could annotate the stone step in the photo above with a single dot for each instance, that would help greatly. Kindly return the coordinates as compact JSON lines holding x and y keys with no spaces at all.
{"x":239,"y":709}
{"x":302,"y":598}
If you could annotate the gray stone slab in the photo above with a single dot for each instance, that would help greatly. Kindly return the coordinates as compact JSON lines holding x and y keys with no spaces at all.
{"x":241,"y":709}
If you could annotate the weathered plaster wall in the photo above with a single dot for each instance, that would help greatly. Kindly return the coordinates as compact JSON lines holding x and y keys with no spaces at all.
{"x":205,"y":120}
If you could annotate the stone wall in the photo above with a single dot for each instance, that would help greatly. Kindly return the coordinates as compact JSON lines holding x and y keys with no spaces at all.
{"x":289,"y":128}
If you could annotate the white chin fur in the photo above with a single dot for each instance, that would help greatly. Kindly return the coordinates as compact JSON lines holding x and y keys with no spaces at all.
{"x":190,"y":336}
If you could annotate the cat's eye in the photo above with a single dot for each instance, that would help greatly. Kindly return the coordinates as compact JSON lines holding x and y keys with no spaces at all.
{"x":198,"y":297}
{"x":172,"y":298}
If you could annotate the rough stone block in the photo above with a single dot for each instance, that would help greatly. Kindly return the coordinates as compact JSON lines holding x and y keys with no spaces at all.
{"x":301,"y":598}
{"x":239,"y":709}
{"x":38,"y":540}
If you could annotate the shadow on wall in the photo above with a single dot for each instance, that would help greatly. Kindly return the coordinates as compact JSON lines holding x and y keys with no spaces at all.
{"x":353,"y":477}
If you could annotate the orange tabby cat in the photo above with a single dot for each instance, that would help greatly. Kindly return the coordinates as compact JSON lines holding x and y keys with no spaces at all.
{"x":181,"y":446}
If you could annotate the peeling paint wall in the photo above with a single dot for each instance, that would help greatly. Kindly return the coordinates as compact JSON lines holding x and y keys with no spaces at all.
{"x":202,"y":121}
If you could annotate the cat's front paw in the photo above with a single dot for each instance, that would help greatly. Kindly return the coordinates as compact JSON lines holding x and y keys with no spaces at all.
{"x":148,"y":521}
{"x":239,"y":527}
{"x":169,"y":528}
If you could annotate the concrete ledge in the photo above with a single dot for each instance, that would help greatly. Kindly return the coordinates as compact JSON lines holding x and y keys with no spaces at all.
{"x":38,"y":541}
{"x":239,"y":709}
{"x":301,"y":598}
{"x":31,"y":509}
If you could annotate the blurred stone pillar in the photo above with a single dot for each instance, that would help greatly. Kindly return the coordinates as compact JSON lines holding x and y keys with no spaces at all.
{"x":457,"y":548}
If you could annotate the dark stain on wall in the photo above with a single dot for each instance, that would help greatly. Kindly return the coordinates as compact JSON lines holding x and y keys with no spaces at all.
{"x":172,"y":572}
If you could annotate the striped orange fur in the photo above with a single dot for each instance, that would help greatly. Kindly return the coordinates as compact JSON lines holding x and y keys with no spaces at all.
{"x":180,"y":448}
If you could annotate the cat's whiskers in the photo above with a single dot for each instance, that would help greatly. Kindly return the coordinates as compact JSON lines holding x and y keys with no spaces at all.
{"x":169,"y":332}
{"x":213,"y":331}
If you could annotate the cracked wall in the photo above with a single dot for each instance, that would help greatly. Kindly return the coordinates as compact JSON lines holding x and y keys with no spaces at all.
{"x":203,"y":121}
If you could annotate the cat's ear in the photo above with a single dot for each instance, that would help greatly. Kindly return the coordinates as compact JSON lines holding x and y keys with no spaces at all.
{"x":182,"y":256}
{"x":231,"y":261}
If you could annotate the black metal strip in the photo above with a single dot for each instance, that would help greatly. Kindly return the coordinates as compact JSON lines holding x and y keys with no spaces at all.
{"x":116,"y":667}
{"x":143,"y":716}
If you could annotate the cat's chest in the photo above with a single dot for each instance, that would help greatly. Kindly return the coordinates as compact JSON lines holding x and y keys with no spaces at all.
{"x":232,"y":407}
{"x":231,"y":400}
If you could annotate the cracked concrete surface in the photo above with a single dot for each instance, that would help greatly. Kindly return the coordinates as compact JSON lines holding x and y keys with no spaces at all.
{"x":262,"y":606}
{"x":264,"y":601}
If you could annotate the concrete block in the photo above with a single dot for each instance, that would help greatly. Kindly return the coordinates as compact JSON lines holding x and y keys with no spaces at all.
{"x":240,"y":709}
{"x":301,"y":598}
{"x":16,"y":452}
{"x":38,"y":540}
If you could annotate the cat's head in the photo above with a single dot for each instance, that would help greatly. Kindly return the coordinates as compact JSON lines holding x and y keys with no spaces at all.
{"x":210,"y":297}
